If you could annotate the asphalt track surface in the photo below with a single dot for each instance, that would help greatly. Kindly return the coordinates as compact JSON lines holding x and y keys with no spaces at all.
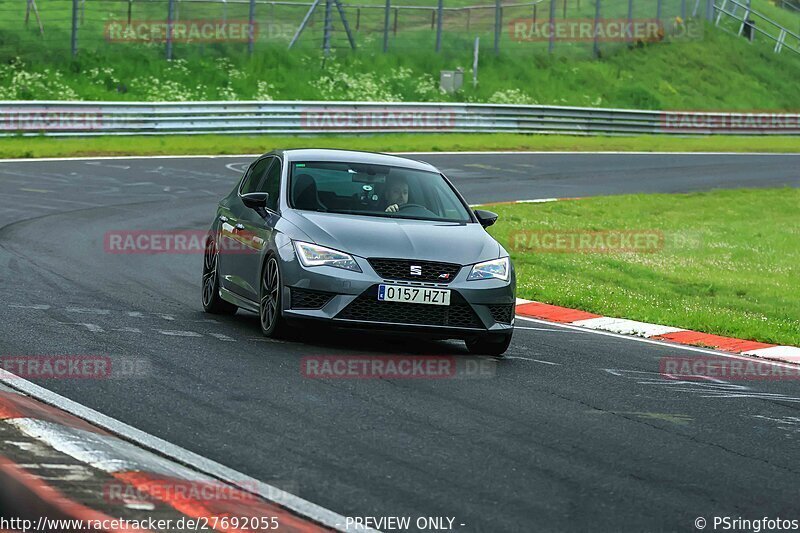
{"x":574,"y":431}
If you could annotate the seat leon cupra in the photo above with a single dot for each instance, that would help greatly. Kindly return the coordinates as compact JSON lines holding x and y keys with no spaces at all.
{"x":357,"y":239}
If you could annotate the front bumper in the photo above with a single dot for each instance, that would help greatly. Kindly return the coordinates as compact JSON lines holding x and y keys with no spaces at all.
{"x":349,"y":299}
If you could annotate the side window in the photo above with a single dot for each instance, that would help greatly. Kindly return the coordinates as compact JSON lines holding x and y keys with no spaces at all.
{"x":272,"y":184}
{"x":255,"y":175}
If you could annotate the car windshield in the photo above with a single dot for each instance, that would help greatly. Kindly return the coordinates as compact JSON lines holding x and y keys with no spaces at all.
{"x":374,"y":190}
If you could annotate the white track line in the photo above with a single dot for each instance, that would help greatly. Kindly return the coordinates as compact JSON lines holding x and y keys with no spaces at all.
{"x":176,"y":453}
{"x":666,"y":344}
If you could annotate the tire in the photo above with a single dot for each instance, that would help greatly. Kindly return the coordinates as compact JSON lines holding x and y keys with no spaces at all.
{"x":494,"y":345}
{"x":212,"y":303}
{"x":270,"y":296}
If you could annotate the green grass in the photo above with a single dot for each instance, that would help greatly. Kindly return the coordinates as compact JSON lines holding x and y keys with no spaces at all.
{"x":24,"y":147}
{"x":729,"y":265}
{"x":788,"y":18}
{"x":720,"y":71}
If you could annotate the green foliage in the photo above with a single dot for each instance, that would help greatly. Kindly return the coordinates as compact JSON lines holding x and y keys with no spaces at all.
{"x":720,"y":71}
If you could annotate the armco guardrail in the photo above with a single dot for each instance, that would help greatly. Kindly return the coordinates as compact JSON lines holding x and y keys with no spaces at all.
{"x":164,"y":118}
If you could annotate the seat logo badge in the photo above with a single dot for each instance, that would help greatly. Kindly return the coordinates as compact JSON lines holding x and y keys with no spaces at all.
{"x":416,"y":270}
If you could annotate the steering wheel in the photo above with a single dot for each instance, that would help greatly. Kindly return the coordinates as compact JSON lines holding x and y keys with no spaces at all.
{"x":407,"y":206}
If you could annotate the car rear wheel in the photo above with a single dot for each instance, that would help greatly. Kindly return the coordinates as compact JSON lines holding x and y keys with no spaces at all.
{"x":272,"y":322}
{"x":212,"y":303}
{"x":495,"y":345}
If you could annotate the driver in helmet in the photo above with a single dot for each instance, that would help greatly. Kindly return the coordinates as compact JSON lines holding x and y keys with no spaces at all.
{"x":395,"y":194}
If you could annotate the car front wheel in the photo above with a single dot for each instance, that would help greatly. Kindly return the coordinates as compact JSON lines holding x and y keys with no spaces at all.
{"x":272,"y":323}
{"x":490,"y":344}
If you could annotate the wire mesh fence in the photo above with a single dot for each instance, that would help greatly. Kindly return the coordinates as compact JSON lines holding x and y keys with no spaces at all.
{"x":177,"y":28}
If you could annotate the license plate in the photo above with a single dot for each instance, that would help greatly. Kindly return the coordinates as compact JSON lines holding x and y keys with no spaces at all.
{"x":413,"y":295}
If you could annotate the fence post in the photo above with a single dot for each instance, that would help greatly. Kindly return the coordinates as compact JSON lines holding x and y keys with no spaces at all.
{"x":170,"y":13}
{"x":74,"y":40}
{"x":630,"y":13}
{"x":596,"y":50}
{"x":710,"y":10}
{"x":551,"y":46}
{"x":386,"y":26}
{"x":326,"y":35}
{"x":475,"y":62}
{"x":498,"y":26}
{"x":683,"y":10}
{"x":251,"y":27}
{"x":658,"y":10}
{"x":130,"y":11}
{"x":439,"y":17}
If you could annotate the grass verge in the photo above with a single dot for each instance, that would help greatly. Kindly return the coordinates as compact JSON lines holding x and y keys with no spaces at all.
{"x":729,"y":263}
{"x":26,"y":147}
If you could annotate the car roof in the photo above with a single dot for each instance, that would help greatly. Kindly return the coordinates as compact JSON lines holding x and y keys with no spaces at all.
{"x":353,"y":156}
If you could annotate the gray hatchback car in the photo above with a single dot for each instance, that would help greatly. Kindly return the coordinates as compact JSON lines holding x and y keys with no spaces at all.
{"x":363,"y":240}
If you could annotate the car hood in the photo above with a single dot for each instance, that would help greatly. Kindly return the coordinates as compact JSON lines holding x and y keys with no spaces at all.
{"x":391,"y":237}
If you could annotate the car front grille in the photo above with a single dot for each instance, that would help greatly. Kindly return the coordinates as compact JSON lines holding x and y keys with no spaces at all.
{"x":502,"y":313}
{"x":308,"y":299}
{"x":428,"y":271}
{"x":367,"y":308}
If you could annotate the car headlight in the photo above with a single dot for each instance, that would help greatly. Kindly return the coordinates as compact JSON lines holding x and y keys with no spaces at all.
{"x":312,"y":255}
{"x":494,"y":269}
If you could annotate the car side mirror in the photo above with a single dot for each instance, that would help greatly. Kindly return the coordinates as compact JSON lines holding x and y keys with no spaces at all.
{"x":486,"y":218}
{"x":255,"y":200}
